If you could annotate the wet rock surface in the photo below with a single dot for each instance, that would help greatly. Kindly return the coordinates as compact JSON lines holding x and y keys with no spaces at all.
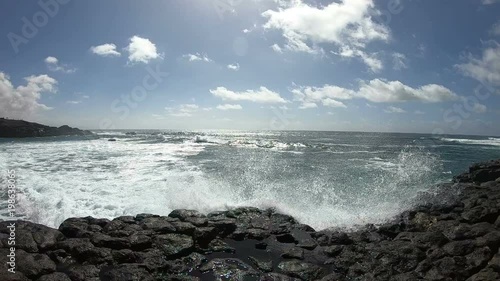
{"x":454,"y":240}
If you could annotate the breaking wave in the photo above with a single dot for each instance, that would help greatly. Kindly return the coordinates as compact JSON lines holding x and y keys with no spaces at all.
{"x":324,"y":180}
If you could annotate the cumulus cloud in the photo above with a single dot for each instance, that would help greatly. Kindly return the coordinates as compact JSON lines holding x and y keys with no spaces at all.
{"x":308,"y":105}
{"x":376,"y":90}
{"x":105,"y":50}
{"x":393,"y":109}
{"x":262,"y":95}
{"x":234,"y":67}
{"x":327,"y":95}
{"x":51,"y":60}
{"x":54,"y":65}
{"x":345,"y":24}
{"x":394,"y":91}
{"x":141,"y":50}
{"x":23,"y":101}
{"x":229,"y":107}
{"x":197,"y":57}
{"x":485,"y":69}
{"x":399,"y":61}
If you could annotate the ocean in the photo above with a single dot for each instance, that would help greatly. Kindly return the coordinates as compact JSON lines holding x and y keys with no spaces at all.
{"x":324,"y":179}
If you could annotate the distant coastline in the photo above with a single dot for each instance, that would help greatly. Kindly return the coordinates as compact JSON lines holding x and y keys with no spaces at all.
{"x":10,"y":128}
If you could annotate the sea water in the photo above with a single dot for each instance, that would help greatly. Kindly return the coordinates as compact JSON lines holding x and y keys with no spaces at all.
{"x":324,"y":179}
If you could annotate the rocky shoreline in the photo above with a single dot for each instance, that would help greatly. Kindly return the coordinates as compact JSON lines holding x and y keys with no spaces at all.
{"x":455,"y":239}
{"x":10,"y":128}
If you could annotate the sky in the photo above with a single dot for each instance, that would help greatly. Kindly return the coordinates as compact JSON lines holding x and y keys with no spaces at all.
{"x":345,"y":65}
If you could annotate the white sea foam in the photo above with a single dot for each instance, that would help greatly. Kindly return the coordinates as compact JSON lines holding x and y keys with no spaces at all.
{"x":98,"y":178}
{"x":489,"y":141}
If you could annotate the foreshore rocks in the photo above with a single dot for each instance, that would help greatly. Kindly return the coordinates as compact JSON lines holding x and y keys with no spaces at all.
{"x":23,"y":129}
{"x":455,"y":240}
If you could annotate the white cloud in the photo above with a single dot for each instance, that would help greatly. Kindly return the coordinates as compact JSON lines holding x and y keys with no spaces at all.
{"x":307,"y":105}
{"x":105,"y":50}
{"x":182,"y":110}
{"x":74,"y":101}
{"x":399,"y":61}
{"x":197,"y":57}
{"x":262,"y":95}
{"x":315,"y":94}
{"x":51,"y":60}
{"x":248,"y":30}
{"x":327,"y":95}
{"x":276,"y":48}
{"x":345,"y":24}
{"x":141,"y":50}
{"x":229,"y":107}
{"x":479,"y":108}
{"x":234,"y":67}
{"x":333,"y":103}
{"x":53,"y":65}
{"x":393,"y":109}
{"x":394,"y":91}
{"x":485,"y":69}
{"x":23,"y":101}
{"x":376,"y":90}
{"x":419,"y":112}
{"x":371,"y":60}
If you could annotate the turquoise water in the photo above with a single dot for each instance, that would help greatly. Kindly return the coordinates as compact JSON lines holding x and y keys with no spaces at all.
{"x":324,"y":179}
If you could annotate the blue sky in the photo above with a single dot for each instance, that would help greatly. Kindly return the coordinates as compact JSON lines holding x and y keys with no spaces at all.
{"x":391,"y":66}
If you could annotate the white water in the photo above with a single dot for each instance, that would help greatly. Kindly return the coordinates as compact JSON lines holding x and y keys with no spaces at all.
{"x":63,"y":179}
{"x":489,"y":141}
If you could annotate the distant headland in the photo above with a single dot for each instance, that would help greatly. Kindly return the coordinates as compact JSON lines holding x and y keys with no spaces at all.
{"x":10,"y":128}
